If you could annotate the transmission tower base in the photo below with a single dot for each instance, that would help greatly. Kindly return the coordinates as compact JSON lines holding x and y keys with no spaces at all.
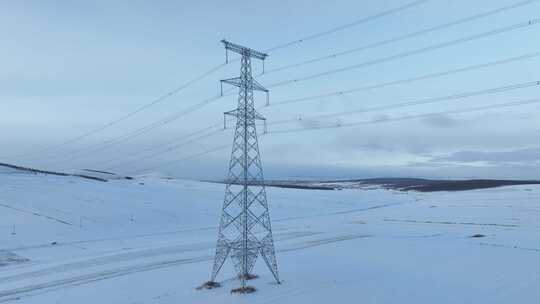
{"x":248,"y":276}
{"x":244,"y":290}
{"x":209,"y":285}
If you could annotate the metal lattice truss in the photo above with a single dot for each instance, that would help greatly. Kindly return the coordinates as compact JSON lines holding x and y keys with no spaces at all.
{"x":245,"y":232}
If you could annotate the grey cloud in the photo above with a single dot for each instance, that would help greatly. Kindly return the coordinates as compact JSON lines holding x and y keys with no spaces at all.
{"x":516,"y":156}
{"x":312,"y":123}
{"x":380,"y":118}
{"x":440,"y":121}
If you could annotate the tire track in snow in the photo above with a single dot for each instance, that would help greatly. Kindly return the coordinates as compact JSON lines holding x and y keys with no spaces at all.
{"x":36,"y":214}
{"x":119,"y":238}
{"x":133,"y":255}
{"x":33,"y":289}
{"x":337,"y":212}
{"x":324,"y":241}
{"x":509,"y":247}
{"x":452,"y":223}
{"x":122,"y":238}
{"x":17,"y":293}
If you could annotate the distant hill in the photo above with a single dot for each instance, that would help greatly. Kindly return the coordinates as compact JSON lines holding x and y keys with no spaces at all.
{"x":401,"y":184}
{"x":427,"y":185}
{"x":101,"y":176}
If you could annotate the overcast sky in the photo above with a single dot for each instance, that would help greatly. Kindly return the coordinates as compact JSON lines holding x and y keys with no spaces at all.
{"x":68,"y":67}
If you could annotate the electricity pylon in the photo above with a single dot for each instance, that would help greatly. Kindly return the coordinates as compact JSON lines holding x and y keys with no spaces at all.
{"x":245,"y":231}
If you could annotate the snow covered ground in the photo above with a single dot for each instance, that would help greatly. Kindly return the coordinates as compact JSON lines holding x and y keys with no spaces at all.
{"x":71,"y":240}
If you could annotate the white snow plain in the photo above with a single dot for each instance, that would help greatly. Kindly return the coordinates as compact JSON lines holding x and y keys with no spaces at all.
{"x":151,"y":240}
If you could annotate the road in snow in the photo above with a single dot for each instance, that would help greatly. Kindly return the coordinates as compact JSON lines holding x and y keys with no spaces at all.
{"x":151,"y":241}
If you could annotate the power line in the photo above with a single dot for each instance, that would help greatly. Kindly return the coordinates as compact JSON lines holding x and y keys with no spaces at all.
{"x":208,"y":151}
{"x":169,"y":149}
{"x":348,"y":25}
{"x":409,"y":117}
{"x":408,"y":80}
{"x":424,"y":101}
{"x":197,"y":106}
{"x":418,"y":102}
{"x":154,"y":125}
{"x":411,"y":53}
{"x":353,"y":124}
{"x":497,"y":31}
{"x":143,"y":130}
{"x":169,"y":94}
{"x":399,"y":105}
{"x":157,"y":147}
{"x":205,"y":74}
{"x":167,"y":120}
{"x":403,"y":37}
{"x":128,"y":115}
{"x":343,"y":27}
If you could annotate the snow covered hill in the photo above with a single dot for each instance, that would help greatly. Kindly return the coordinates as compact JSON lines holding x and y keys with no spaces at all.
{"x":65,"y":239}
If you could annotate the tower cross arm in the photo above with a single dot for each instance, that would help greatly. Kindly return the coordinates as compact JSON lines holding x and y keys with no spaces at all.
{"x":242,"y":50}
{"x":236,"y":113}
{"x":237,"y":82}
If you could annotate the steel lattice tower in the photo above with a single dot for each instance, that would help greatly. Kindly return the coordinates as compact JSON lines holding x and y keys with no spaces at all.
{"x":245,"y":231}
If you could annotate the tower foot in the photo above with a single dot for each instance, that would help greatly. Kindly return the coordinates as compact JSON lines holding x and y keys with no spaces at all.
{"x":244,"y":290}
{"x":209,"y":285}
{"x":248,"y":276}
